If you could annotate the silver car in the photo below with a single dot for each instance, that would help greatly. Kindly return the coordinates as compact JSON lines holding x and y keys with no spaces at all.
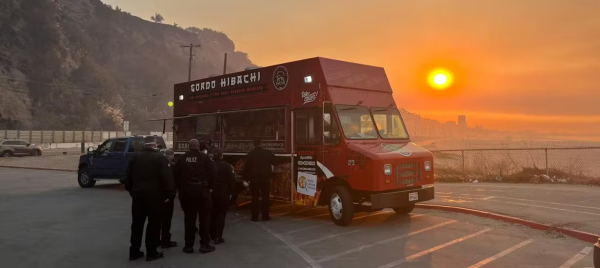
{"x":10,"y":148}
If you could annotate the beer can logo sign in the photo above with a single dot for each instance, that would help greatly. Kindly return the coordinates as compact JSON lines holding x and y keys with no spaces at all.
{"x":280,"y":78}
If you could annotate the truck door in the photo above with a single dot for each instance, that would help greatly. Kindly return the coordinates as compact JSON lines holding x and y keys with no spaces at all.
{"x":334,"y":154}
{"x":116,"y":160}
{"x":308,"y":139}
{"x":99,"y":161}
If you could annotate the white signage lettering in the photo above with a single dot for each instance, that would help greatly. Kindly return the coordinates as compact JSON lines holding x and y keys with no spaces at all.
{"x":226,"y":82}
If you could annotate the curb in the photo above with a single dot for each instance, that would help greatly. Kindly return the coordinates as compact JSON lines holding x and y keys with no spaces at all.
{"x":584,"y":236}
{"x":36,"y":168}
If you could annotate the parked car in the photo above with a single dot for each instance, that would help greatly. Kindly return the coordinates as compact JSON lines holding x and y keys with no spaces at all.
{"x":109,"y":161}
{"x":10,"y":148}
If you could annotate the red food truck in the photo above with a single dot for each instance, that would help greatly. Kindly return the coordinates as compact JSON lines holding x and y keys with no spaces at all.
{"x":333,"y":125}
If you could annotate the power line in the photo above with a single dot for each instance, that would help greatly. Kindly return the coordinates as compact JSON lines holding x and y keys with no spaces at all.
{"x":76,"y":89}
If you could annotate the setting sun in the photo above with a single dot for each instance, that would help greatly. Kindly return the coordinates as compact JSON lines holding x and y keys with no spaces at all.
{"x":440,"y":79}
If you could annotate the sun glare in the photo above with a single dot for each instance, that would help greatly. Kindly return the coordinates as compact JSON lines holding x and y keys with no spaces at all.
{"x":440,"y":79}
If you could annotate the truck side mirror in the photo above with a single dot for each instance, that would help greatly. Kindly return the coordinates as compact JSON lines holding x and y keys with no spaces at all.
{"x":327,"y":134}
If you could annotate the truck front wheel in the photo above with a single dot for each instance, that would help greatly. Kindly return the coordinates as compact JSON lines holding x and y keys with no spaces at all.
{"x":84,"y":179}
{"x":341,"y":207}
{"x":405,"y":210}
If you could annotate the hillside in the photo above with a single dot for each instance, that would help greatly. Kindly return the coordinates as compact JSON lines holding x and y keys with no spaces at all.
{"x":79,"y":64}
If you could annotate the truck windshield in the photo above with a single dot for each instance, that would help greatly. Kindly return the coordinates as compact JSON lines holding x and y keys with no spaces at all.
{"x":389,"y":123}
{"x":356,"y":122}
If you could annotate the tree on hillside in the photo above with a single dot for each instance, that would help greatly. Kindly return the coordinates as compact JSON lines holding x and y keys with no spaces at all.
{"x":158,"y":18}
{"x":176,"y":25}
{"x":117,"y":8}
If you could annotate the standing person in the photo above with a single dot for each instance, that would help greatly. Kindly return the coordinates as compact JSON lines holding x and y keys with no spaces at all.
{"x":220,"y":196}
{"x":196,"y":173}
{"x":167,"y":212}
{"x":149,"y":181}
{"x":258,"y":169}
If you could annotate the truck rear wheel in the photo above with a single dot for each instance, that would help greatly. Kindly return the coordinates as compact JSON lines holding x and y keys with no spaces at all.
{"x":341,"y":207}
{"x":84,"y":179}
{"x":405,"y":210}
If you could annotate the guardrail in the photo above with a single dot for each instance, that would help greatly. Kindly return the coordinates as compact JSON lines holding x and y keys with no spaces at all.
{"x":554,"y":165}
{"x":69,"y":136}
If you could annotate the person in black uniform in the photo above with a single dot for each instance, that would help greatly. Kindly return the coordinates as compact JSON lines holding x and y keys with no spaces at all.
{"x":196,"y":174}
{"x":149,"y":181}
{"x":220,"y":196}
{"x":258,"y":170}
{"x":167,"y":213}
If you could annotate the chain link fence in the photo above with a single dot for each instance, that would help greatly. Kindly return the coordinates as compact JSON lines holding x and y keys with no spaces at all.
{"x":70,"y":136}
{"x":554,"y":165}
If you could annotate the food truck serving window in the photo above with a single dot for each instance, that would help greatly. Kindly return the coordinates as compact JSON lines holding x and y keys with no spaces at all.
{"x":389,"y":123}
{"x":241,"y":128}
{"x":356,"y":122}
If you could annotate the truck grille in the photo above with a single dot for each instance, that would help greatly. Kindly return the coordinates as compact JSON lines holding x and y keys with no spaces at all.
{"x":408,"y":173}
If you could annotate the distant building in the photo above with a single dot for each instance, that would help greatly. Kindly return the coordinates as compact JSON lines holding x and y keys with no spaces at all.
{"x":450,"y":123}
{"x":462,"y":121}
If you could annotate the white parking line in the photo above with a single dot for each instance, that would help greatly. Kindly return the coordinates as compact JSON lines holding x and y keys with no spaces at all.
{"x":538,"y":206}
{"x":553,"y":203}
{"x":330,"y":223}
{"x":580,"y":255}
{"x":501,"y":254}
{"x":335,"y":256}
{"x":300,"y":252}
{"x":422,"y":253}
{"x":291,"y":212}
{"x":325,"y":238}
{"x":340,"y":234}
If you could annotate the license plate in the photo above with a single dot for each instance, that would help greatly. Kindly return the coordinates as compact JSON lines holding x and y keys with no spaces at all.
{"x":413,"y":196}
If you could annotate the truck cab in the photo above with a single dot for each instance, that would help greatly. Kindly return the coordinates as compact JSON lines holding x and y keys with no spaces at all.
{"x":110,"y":159}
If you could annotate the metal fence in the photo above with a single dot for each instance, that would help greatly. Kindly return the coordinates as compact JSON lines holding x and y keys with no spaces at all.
{"x":61,"y":136}
{"x":556,"y":165}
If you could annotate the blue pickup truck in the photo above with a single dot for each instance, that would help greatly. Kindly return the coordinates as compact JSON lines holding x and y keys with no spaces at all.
{"x":109,"y":161}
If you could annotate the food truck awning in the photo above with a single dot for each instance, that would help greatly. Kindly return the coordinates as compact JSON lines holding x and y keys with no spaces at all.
{"x":169,"y":118}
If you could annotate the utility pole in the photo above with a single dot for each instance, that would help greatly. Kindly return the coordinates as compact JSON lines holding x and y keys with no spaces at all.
{"x":191,"y":46}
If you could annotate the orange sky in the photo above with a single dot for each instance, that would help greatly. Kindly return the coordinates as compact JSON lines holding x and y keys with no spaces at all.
{"x":519,"y":65}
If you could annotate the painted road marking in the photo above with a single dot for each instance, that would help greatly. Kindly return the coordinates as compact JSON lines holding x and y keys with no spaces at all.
{"x":340,"y":234}
{"x":300,"y":252}
{"x":501,"y":254}
{"x":422,"y":253}
{"x":325,"y":238}
{"x":553,"y":203}
{"x":236,"y":220}
{"x":522,"y":204}
{"x":310,"y":217}
{"x":330,"y":223}
{"x":519,"y":187}
{"x":561,"y":209}
{"x":488,"y":198}
{"x":580,"y":255}
{"x":335,"y":256}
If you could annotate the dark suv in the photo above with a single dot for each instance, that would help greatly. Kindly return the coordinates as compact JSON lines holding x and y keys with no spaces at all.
{"x":10,"y":148}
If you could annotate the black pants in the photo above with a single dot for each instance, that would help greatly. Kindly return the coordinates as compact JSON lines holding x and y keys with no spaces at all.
{"x":145,"y":206}
{"x":262,"y":189}
{"x":165,"y":224}
{"x":220,"y":198}
{"x":197,"y":204}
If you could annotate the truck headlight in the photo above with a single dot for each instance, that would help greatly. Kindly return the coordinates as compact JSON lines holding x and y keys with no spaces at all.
{"x":428,"y":166}
{"x":387,"y":169}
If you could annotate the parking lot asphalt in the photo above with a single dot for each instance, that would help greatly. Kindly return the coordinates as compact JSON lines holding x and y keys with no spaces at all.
{"x":48,"y":221}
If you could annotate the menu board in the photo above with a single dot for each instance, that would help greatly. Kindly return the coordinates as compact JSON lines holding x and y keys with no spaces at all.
{"x":306,"y":163}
